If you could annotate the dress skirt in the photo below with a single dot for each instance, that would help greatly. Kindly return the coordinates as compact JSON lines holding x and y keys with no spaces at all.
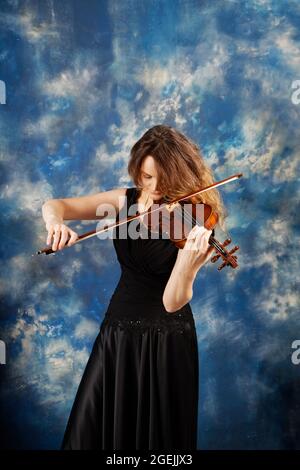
{"x":139,"y":390}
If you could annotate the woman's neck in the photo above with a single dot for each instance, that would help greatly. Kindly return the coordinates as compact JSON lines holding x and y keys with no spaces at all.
{"x":144,"y":200}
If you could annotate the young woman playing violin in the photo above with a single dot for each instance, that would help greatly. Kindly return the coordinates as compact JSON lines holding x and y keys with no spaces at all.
{"x":139,"y":389}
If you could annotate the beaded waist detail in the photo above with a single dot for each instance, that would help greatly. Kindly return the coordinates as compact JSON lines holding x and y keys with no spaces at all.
{"x":140,"y":326}
{"x":131,"y":317}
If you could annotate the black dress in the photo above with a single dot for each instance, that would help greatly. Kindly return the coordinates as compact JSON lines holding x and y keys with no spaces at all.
{"x":139,"y":390}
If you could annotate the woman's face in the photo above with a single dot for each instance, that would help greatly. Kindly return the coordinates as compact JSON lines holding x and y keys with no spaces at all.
{"x":149,"y":178}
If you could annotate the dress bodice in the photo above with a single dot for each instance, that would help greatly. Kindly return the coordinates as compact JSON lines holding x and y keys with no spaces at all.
{"x":146,"y":263}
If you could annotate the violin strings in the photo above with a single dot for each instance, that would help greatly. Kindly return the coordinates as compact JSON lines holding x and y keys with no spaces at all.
{"x":211,"y":239}
{"x":190,"y":218}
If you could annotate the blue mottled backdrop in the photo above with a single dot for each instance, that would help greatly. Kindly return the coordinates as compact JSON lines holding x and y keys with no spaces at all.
{"x":80,"y":82}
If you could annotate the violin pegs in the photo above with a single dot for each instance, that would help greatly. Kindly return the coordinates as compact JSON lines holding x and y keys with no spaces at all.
{"x":226,"y":242}
{"x":222,"y":265}
{"x":227,"y":257}
{"x":234,"y":250}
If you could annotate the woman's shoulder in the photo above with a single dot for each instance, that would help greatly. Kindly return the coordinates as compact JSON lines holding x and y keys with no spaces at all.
{"x":132,"y":194}
{"x":123,"y":191}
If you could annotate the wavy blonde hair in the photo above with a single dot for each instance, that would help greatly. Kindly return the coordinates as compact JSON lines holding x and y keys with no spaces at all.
{"x":180,"y":167}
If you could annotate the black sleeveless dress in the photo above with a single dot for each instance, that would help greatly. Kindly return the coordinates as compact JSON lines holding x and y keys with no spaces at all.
{"x":139,"y":390}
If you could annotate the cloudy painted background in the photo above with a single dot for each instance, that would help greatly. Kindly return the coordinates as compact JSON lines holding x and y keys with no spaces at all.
{"x":84,"y":80}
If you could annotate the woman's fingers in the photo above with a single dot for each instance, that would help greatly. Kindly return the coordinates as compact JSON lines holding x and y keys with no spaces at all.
{"x":64,"y":236}
{"x":73,"y":238}
{"x":50,"y":233}
{"x":202,"y":240}
{"x":190,"y":243}
{"x":197,"y":250}
{"x":60,"y":235}
{"x":198,"y":239}
{"x":56,"y":238}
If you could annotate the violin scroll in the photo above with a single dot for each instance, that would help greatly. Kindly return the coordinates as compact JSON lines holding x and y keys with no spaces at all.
{"x":228,"y":258}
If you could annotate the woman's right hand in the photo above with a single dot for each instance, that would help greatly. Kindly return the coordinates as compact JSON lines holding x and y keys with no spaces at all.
{"x":60,"y":235}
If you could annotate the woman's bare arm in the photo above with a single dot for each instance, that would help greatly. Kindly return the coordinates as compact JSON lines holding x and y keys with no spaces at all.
{"x":179,"y":289}
{"x":82,"y":208}
{"x":196,"y":252}
{"x":55,"y":211}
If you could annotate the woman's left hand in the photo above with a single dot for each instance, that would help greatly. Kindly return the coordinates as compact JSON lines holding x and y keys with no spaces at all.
{"x":196,"y":251}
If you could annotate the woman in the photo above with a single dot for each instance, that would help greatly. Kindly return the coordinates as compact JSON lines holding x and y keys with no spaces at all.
{"x":139,"y":389}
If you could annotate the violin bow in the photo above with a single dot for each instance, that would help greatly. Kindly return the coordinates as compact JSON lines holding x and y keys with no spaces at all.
{"x":92,"y":233}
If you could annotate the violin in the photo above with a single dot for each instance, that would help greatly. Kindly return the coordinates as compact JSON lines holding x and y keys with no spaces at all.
{"x":178,"y":217}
